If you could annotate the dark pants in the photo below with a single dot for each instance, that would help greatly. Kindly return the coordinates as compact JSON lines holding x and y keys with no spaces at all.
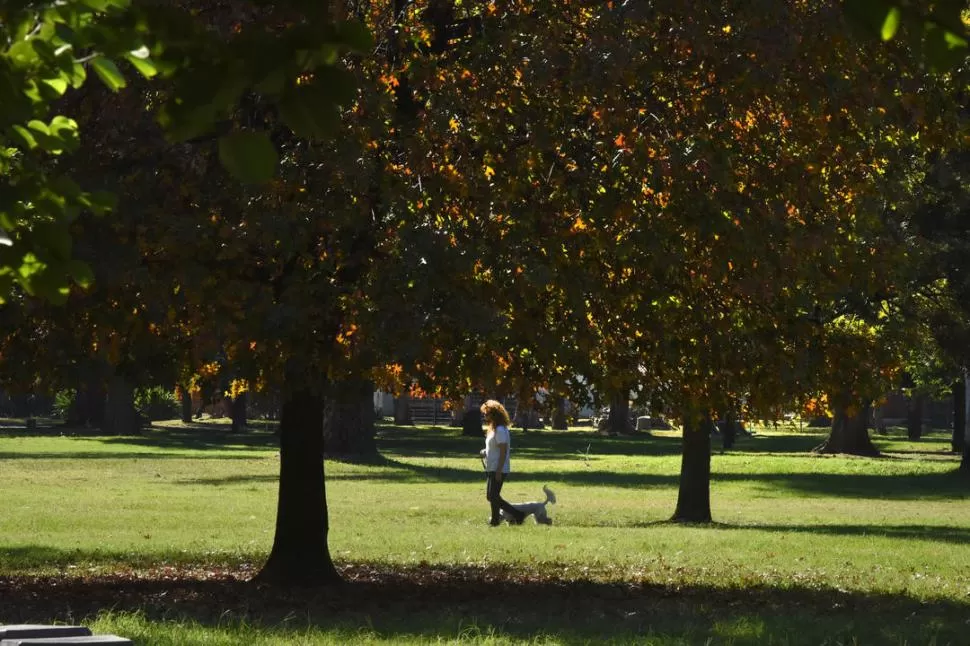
{"x":493,"y":492}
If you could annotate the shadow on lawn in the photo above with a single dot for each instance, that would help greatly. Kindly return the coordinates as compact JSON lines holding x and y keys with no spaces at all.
{"x":437,"y":602}
{"x":926,"y":533}
{"x":950,"y":485}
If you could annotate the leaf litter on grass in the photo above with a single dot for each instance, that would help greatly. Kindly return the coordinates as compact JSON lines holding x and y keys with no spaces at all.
{"x":436,"y":598}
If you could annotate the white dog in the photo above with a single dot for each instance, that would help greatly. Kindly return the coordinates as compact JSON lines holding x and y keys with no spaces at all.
{"x":536,"y":509}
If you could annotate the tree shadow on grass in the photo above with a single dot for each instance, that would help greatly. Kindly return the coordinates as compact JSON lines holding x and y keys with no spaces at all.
{"x":111,"y":455}
{"x":927,"y":533}
{"x":950,"y":485}
{"x":536,"y":445}
{"x":434,"y":602}
{"x":197,"y":438}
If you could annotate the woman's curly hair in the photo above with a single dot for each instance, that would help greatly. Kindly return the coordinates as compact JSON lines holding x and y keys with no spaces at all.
{"x":495,"y":414}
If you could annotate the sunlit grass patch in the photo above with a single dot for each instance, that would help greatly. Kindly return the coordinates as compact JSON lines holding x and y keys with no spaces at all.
{"x":800,"y":529}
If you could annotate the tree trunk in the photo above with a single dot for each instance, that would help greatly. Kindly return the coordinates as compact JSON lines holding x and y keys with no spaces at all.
{"x":914,"y":417}
{"x":959,"y":391}
{"x":559,"y":421}
{"x":402,"y":410}
{"x":694,"y":496}
{"x":300,"y":554}
{"x":965,"y":461}
{"x":186,"y":402}
{"x":471,"y":419}
{"x":729,"y":431}
{"x":619,"y":420}
{"x":348,"y":420}
{"x":850,"y":434}
{"x":88,"y":406}
{"x":526,"y":417}
{"x":120,"y":415}
{"x":237,"y":412}
{"x":879,"y":419}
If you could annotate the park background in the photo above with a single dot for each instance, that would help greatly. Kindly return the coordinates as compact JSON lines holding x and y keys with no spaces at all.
{"x":734,"y":217}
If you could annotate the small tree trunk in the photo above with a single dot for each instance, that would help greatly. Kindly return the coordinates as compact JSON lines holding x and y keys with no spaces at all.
{"x":348,"y":420}
{"x":694,"y":496}
{"x":402,"y":410}
{"x":237,"y":412}
{"x":879,"y":419}
{"x":618,"y":421}
{"x":526,"y":417}
{"x":300,"y":554}
{"x":88,"y":407}
{"x":471,"y":419}
{"x":729,"y":431}
{"x":959,"y":391}
{"x":120,"y":415}
{"x":914,"y":418}
{"x":186,"y":404}
{"x":850,"y":434}
{"x":559,"y":421}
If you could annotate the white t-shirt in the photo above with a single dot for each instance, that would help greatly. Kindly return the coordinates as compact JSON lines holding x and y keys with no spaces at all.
{"x":492,"y":439}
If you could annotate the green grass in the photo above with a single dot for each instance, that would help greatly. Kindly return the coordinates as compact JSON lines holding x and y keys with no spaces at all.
{"x":153,"y":536}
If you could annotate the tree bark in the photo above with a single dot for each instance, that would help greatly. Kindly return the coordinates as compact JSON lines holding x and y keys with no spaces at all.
{"x":959,"y":391}
{"x":694,"y":496}
{"x":120,"y":415}
{"x":526,"y":417}
{"x":88,"y":406}
{"x":402,"y":410}
{"x":186,"y":404}
{"x":559,"y":421}
{"x":878,"y":419}
{"x":471,"y":419}
{"x":729,"y":431}
{"x":965,"y":461}
{"x":618,"y":422}
{"x":237,"y":412}
{"x":348,"y":420}
{"x":300,"y":554}
{"x":850,"y":434}
{"x":914,"y":417}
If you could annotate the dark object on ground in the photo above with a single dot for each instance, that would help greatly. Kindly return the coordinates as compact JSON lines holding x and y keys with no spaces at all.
{"x":89,"y":640}
{"x":25,"y":631}
{"x":40,"y":635}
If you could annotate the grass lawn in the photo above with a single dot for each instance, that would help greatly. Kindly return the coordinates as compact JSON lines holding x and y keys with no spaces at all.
{"x":155,"y":536}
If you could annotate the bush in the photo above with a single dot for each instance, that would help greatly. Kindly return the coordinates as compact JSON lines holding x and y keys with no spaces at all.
{"x":63,"y":401}
{"x":157,"y":403}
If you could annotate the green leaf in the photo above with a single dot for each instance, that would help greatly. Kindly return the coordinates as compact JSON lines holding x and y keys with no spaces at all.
{"x":338,"y":83}
{"x":109,"y":73}
{"x":143,"y":65}
{"x":47,"y":283}
{"x":891,"y":23}
{"x":871,"y":15}
{"x":355,"y":35}
{"x":65,"y":130}
{"x":58,"y":85}
{"x":78,"y":75}
{"x":944,"y":49}
{"x":249,"y":156}
{"x":81,"y":273}
{"x":309,"y":111}
{"x":53,"y":239}
{"x":23,"y":136}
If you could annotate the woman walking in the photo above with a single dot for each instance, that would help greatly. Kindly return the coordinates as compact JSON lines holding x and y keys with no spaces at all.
{"x":497,"y":451}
